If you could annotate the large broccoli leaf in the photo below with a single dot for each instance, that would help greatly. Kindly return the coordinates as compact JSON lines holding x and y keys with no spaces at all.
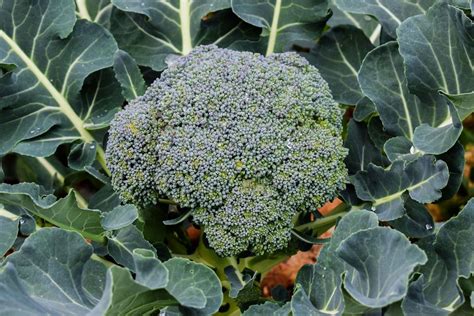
{"x":438,"y":52}
{"x":284,"y":23}
{"x":151,"y":30}
{"x":379,"y":262}
{"x":388,"y":12}
{"x":382,"y":79}
{"x":62,"y":278}
{"x":366,"y":23}
{"x":451,"y":256}
{"x":52,"y":55}
{"x":319,"y":286}
{"x":46,"y":277}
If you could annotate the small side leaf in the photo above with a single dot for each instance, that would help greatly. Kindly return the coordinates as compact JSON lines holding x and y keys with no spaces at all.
{"x":150,"y":271}
{"x":438,"y":140}
{"x":129,"y":75}
{"x":423,"y":179}
{"x":82,"y":155}
{"x":194,"y":285}
{"x":120,"y":217}
{"x":122,"y":244}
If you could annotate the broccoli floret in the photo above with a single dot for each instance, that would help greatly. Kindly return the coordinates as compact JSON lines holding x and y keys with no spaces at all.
{"x":244,"y":140}
{"x":253,"y":217}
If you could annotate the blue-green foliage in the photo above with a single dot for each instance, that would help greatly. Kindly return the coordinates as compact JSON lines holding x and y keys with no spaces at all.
{"x":244,"y":140}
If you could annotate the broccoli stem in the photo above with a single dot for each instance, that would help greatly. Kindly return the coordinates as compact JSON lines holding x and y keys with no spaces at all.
{"x":101,"y":160}
{"x":322,"y":224}
{"x":234,"y":309}
{"x":167,"y":201}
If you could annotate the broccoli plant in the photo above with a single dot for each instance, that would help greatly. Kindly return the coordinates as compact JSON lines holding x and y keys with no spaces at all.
{"x":228,"y":157}
{"x":244,"y":141}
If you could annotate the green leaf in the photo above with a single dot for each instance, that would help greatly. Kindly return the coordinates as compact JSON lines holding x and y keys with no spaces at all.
{"x":94,"y":280}
{"x":309,"y":239}
{"x":415,"y":303}
{"x":179,"y":219}
{"x":2,"y":174}
{"x":14,"y":298}
{"x":454,"y":158}
{"x":150,"y":271}
{"x":464,"y":103}
{"x":268,"y":308}
{"x":377,"y":133}
{"x":122,"y":243}
{"x":301,"y":304}
{"x":243,"y":287}
{"x":338,"y":56}
{"x":319,"y":285}
{"x":382,"y":79}
{"x":362,"y":151}
{"x":283,"y":23}
{"x":82,"y":155}
{"x":364,"y":109}
{"x":129,"y":297}
{"x":121,"y":216}
{"x":97,"y":11}
{"x":101,"y":99}
{"x":438,"y":51}
{"x":388,"y":12}
{"x":129,"y":76}
{"x":48,"y":275}
{"x":367,"y":24}
{"x":64,"y":212}
{"x":194,"y":285}
{"x":438,"y":140}
{"x":423,"y":179}
{"x":41,"y":94}
{"x":151,"y":30}
{"x":319,"y":291}
{"x":416,"y":223}
{"x":436,"y":290}
{"x":400,"y":148}
{"x":380,"y":261}
{"x":454,"y":242}
{"x":27,"y":223}
{"x":49,"y":172}
{"x":105,"y":199}
{"x":8,"y":230}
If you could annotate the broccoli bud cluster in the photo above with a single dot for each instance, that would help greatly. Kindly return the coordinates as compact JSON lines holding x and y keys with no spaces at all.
{"x":244,"y":140}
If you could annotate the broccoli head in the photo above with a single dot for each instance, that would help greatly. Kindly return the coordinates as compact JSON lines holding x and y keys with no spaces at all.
{"x":245,"y":141}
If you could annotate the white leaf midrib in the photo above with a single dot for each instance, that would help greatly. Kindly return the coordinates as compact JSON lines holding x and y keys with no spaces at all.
{"x":274,"y":28}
